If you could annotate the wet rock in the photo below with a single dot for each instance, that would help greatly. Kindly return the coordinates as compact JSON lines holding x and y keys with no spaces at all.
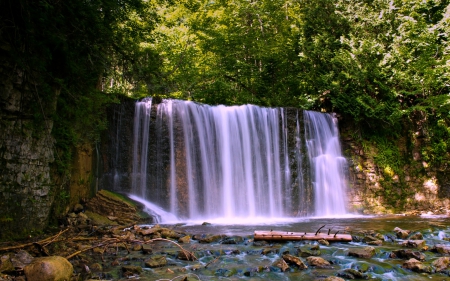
{"x":333,"y":278}
{"x":323,"y":242}
{"x":49,"y":269}
{"x":78,"y":208}
{"x":307,"y":253}
{"x":137,"y":247}
{"x":260,"y":243}
{"x":352,"y":274}
{"x":21,"y":259}
{"x":315,"y":247}
{"x":375,"y":243}
{"x":134,"y":269}
{"x":441,"y":264}
{"x":407,"y":254}
{"x":281,"y":264}
{"x":318,"y":262}
{"x":6,"y":265}
{"x":365,"y":253}
{"x":168,"y":233}
{"x":441,"y":249}
{"x":147,"y":249}
{"x":270,"y":250}
{"x":401,"y":234}
{"x":232,"y":240}
{"x":185,"y":239}
{"x":420,"y":244}
{"x":208,"y":238}
{"x":416,"y":266}
{"x":372,"y":241}
{"x":96,"y":267}
{"x":416,"y":236}
{"x":148,"y":231}
{"x":156,"y":261}
{"x":294,"y":260}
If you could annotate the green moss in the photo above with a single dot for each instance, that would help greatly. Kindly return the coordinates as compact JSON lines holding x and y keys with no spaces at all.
{"x":98,"y":219}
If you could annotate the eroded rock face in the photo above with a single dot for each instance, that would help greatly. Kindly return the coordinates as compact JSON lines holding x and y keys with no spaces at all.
{"x":54,"y":268}
{"x":26,"y":152}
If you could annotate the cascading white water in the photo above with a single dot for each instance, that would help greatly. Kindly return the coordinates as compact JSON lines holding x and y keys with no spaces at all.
{"x":327,"y":164}
{"x":233,"y":162}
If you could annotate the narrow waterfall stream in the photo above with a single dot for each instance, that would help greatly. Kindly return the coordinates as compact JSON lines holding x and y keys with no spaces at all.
{"x":201,"y":162}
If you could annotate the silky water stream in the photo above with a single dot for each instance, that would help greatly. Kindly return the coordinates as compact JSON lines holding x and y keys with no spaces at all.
{"x":247,"y":168}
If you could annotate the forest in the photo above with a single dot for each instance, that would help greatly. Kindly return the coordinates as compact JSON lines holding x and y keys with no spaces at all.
{"x":377,"y":63}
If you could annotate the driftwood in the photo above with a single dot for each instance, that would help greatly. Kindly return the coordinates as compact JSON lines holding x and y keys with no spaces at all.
{"x":299,"y":236}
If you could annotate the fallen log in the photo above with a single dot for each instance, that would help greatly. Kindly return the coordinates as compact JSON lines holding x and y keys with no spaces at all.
{"x":299,"y":236}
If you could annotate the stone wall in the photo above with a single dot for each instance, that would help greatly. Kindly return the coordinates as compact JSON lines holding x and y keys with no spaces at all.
{"x":26,"y":152}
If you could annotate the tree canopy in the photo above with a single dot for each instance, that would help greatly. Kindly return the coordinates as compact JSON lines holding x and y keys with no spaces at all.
{"x":376,"y":62}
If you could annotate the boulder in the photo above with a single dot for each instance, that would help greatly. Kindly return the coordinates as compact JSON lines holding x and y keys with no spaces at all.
{"x":401,"y":233}
{"x":132,"y":269}
{"x":323,"y":242}
{"x":281,"y":264}
{"x":407,"y":254}
{"x":365,"y":253}
{"x":6,"y":265}
{"x":442,"y":249}
{"x":185,"y":239}
{"x":318,"y":262}
{"x":350,"y":273}
{"x":53,"y":268}
{"x":290,"y":259}
{"x":307,"y":253}
{"x":147,"y":249}
{"x":333,"y":278}
{"x":441,"y":264}
{"x":420,"y":244}
{"x":416,"y":266}
{"x":416,"y":236}
{"x":156,"y":261}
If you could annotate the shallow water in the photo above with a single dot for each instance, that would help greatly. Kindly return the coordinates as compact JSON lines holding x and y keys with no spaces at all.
{"x":351,"y":225}
{"x":250,"y":264}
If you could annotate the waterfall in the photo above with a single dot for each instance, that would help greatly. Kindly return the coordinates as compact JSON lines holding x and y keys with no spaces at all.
{"x":204,"y":162}
{"x":327,"y":164}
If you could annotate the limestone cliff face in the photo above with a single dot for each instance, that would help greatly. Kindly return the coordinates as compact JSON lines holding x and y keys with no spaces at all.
{"x":26,"y":152}
{"x":415,"y":187}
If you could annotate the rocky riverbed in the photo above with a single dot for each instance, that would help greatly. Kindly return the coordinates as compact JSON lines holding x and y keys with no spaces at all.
{"x":89,"y":252}
{"x":95,"y":242}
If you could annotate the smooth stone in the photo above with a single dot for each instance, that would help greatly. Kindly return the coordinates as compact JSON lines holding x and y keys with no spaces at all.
{"x":401,"y":234}
{"x":420,"y":244}
{"x":6,"y":265}
{"x":416,"y":266}
{"x":442,"y":248}
{"x":281,"y":264}
{"x":147,"y":249}
{"x":318,"y":262}
{"x":185,"y":239}
{"x":294,"y":260}
{"x":366,"y":252}
{"x":156,"y":261}
{"x":53,"y":268}
{"x":408,"y":254}
{"x":441,"y":263}
{"x":132,"y":269}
